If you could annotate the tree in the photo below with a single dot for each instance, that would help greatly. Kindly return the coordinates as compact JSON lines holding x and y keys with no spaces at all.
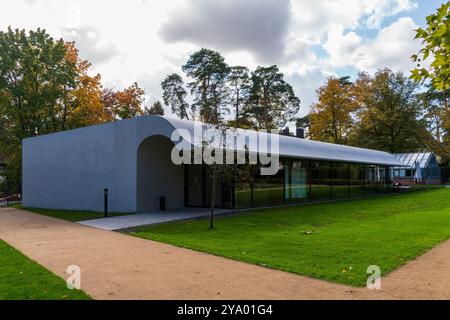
{"x":156,"y":108}
{"x":332,"y":116}
{"x":174,"y":95}
{"x":436,"y":111}
{"x":389,"y":113}
{"x":303,"y":122}
{"x":45,"y":87}
{"x":125,"y":104}
{"x":82,"y":106}
{"x":208,"y":71}
{"x":272,"y":101}
{"x":130,"y":102}
{"x":214,"y":147}
{"x":35,"y":76}
{"x":239,"y":90}
{"x":437,"y":115}
{"x":445,"y":146}
{"x":435,"y":45}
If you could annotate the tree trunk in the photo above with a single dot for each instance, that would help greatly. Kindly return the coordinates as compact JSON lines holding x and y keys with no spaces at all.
{"x":445,"y":99}
{"x":237,"y":109}
{"x":213,"y":199}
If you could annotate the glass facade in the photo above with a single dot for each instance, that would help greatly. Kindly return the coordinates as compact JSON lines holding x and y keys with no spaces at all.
{"x":296,"y":186}
{"x":297,"y":181}
{"x":356,"y":180}
{"x":268,"y":190}
{"x":370,"y":183}
{"x":194,"y":185}
{"x":340,"y":180}
{"x":320,"y":180}
{"x":243,"y":185}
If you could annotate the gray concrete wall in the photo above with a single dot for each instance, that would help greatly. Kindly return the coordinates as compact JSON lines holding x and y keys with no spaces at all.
{"x":70,"y":169}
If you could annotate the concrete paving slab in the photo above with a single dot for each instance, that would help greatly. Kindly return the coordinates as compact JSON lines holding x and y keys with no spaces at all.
{"x":143,"y":219}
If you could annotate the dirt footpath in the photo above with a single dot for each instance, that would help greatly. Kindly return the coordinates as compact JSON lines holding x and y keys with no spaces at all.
{"x":118,"y":266}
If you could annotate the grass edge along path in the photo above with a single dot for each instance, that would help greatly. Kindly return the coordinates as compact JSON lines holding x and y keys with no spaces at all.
{"x":69,"y":215}
{"x":24,"y":279}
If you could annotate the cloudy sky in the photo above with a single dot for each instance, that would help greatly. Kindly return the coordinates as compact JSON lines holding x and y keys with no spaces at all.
{"x":143,"y":40}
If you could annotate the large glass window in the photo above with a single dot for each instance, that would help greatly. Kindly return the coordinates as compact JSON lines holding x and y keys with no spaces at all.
{"x":384,"y":184}
{"x":223,"y":186}
{"x":243,"y":186}
{"x":339,"y":176}
{"x":194,"y":185}
{"x":356,"y":180}
{"x":296,"y":185}
{"x":268,"y":190}
{"x":296,"y":181}
{"x":370,"y":179}
{"x":320,"y":180}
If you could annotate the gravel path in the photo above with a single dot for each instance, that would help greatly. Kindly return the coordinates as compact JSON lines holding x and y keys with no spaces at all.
{"x":118,"y":266}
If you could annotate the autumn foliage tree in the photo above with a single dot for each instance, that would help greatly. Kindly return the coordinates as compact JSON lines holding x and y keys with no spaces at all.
{"x":82,"y":106}
{"x":129,"y":103}
{"x":390,"y":115}
{"x":331,"y":117}
{"x":124,"y":104}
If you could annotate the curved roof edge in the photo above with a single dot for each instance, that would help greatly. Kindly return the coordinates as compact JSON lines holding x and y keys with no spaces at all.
{"x":306,"y":149}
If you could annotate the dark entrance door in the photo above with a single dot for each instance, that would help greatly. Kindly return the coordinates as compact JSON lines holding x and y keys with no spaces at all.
{"x":199,"y":188}
{"x":194,"y":185}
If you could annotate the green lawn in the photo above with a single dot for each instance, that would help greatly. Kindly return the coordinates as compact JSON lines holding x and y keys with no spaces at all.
{"x":332,"y":241}
{"x":22,"y":278}
{"x":68,"y":214}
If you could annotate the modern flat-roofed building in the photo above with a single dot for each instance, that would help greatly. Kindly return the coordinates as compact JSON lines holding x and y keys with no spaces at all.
{"x":132,"y":159}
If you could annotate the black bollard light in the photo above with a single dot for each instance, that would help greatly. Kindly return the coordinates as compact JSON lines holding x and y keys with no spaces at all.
{"x":105,"y":198}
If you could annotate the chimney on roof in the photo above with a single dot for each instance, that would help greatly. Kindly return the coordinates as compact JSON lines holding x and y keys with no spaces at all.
{"x":285,"y":132}
{"x":300,"y":133}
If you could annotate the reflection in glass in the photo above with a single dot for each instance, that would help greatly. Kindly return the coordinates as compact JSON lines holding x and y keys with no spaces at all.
{"x":340,"y":181}
{"x":356,"y":181}
{"x":268,"y":190}
{"x":296,"y":184}
{"x":320,"y":180}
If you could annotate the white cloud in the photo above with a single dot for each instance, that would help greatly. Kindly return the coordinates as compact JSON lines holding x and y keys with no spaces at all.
{"x":388,"y":8}
{"x":89,"y":43}
{"x":340,"y":46}
{"x":392,"y":48}
{"x":258,"y":26}
{"x":314,"y":19}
